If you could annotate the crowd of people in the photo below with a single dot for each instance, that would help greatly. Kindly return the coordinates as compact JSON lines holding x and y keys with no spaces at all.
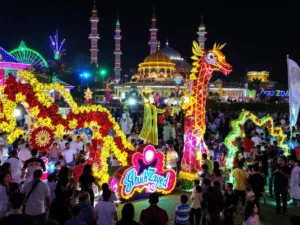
{"x":32,"y":193}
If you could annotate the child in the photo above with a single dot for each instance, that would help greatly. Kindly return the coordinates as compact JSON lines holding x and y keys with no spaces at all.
{"x":62,"y":161}
{"x":76,"y":210}
{"x":57,"y":170}
{"x":52,"y":185}
{"x":251,"y":214}
{"x":204,"y":174}
{"x":182,"y":212}
{"x":195,"y":183}
{"x":196,"y":199}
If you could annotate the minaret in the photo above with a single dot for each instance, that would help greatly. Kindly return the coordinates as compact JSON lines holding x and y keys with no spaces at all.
{"x":201,"y":33}
{"x":94,"y":36}
{"x":154,"y":43}
{"x":118,"y":51}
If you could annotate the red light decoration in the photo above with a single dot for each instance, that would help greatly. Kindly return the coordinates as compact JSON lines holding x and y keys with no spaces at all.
{"x":41,"y":138}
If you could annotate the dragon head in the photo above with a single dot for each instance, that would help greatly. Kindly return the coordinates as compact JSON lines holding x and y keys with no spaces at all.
{"x":214,"y":59}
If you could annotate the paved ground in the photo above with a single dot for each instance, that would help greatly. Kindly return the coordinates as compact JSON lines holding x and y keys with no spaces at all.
{"x":169,"y":202}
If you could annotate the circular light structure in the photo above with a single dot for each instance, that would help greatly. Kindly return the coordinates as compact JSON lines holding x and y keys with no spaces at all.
{"x":29,"y":56}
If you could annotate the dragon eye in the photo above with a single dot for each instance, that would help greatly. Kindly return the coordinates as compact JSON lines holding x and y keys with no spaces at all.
{"x":210,"y":58}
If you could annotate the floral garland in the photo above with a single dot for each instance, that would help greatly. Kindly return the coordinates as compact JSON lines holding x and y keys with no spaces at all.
{"x":238,"y":131}
{"x":28,"y":91}
{"x":41,"y":138}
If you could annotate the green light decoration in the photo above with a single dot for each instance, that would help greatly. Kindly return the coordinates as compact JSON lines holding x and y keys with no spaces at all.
{"x":103,"y":72}
{"x":56,"y":56}
{"x":238,"y":131}
{"x":54,"y":78}
{"x":29,"y":56}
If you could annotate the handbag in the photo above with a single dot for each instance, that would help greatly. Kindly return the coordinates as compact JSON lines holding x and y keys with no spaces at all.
{"x":30,"y":192}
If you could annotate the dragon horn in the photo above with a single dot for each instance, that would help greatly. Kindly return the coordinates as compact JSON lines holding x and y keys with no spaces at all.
{"x":215,"y":47}
{"x":221,"y":46}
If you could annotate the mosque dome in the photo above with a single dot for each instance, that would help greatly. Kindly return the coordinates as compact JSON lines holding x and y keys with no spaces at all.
{"x":156,"y":65}
{"x":171,"y":52}
{"x":157,"y":57}
{"x":183,"y":67}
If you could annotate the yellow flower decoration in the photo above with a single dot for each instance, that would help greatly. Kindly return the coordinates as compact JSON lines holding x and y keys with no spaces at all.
{"x":35,"y":111}
{"x":13,"y":136}
{"x":73,"y":124}
{"x":59,"y":130}
{"x":45,"y":122}
{"x":20,"y":97}
{"x":42,"y":138}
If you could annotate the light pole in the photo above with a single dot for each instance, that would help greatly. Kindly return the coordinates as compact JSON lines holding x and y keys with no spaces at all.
{"x":85,"y":76}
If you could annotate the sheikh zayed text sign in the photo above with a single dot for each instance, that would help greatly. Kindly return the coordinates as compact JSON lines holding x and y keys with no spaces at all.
{"x":278,"y":93}
{"x":147,"y":173}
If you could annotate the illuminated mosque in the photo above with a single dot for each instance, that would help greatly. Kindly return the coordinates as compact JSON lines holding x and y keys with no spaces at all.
{"x":159,"y":69}
{"x":162,"y":68}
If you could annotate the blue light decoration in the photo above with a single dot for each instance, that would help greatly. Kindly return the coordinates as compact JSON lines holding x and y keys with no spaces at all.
{"x":85,"y":75}
{"x":51,"y":167}
{"x":9,"y":62}
{"x":147,"y":173}
{"x":278,"y":93}
{"x":57,"y":48}
{"x":6,"y":57}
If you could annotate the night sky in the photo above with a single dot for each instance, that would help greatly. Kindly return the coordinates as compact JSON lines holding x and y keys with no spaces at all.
{"x":257,"y":38}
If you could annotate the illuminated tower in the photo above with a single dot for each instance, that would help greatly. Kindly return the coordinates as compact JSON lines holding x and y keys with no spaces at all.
{"x":154,"y":43}
{"x":118,"y":51}
{"x":201,"y":33}
{"x":94,"y":36}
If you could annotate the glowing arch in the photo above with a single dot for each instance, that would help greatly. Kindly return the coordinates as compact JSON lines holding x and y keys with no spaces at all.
{"x":237,"y":131}
{"x":29,"y":92}
{"x":29,"y":56}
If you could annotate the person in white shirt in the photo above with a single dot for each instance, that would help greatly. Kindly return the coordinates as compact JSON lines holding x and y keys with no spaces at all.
{"x":63,"y":143}
{"x":72,"y":143}
{"x":3,"y":154}
{"x":16,"y":167}
{"x":256,"y":139}
{"x":114,"y":162}
{"x":196,"y":199}
{"x":259,"y":130}
{"x":105,"y":211}
{"x":26,"y":119}
{"x":69,"y":154}
{"x":113,"y":197}
{"x":24,"y":153}
{"x":4,"y":200}
{"x":38,"y":203}
{"x":124,"y":124}
{"x":79,"y":145}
